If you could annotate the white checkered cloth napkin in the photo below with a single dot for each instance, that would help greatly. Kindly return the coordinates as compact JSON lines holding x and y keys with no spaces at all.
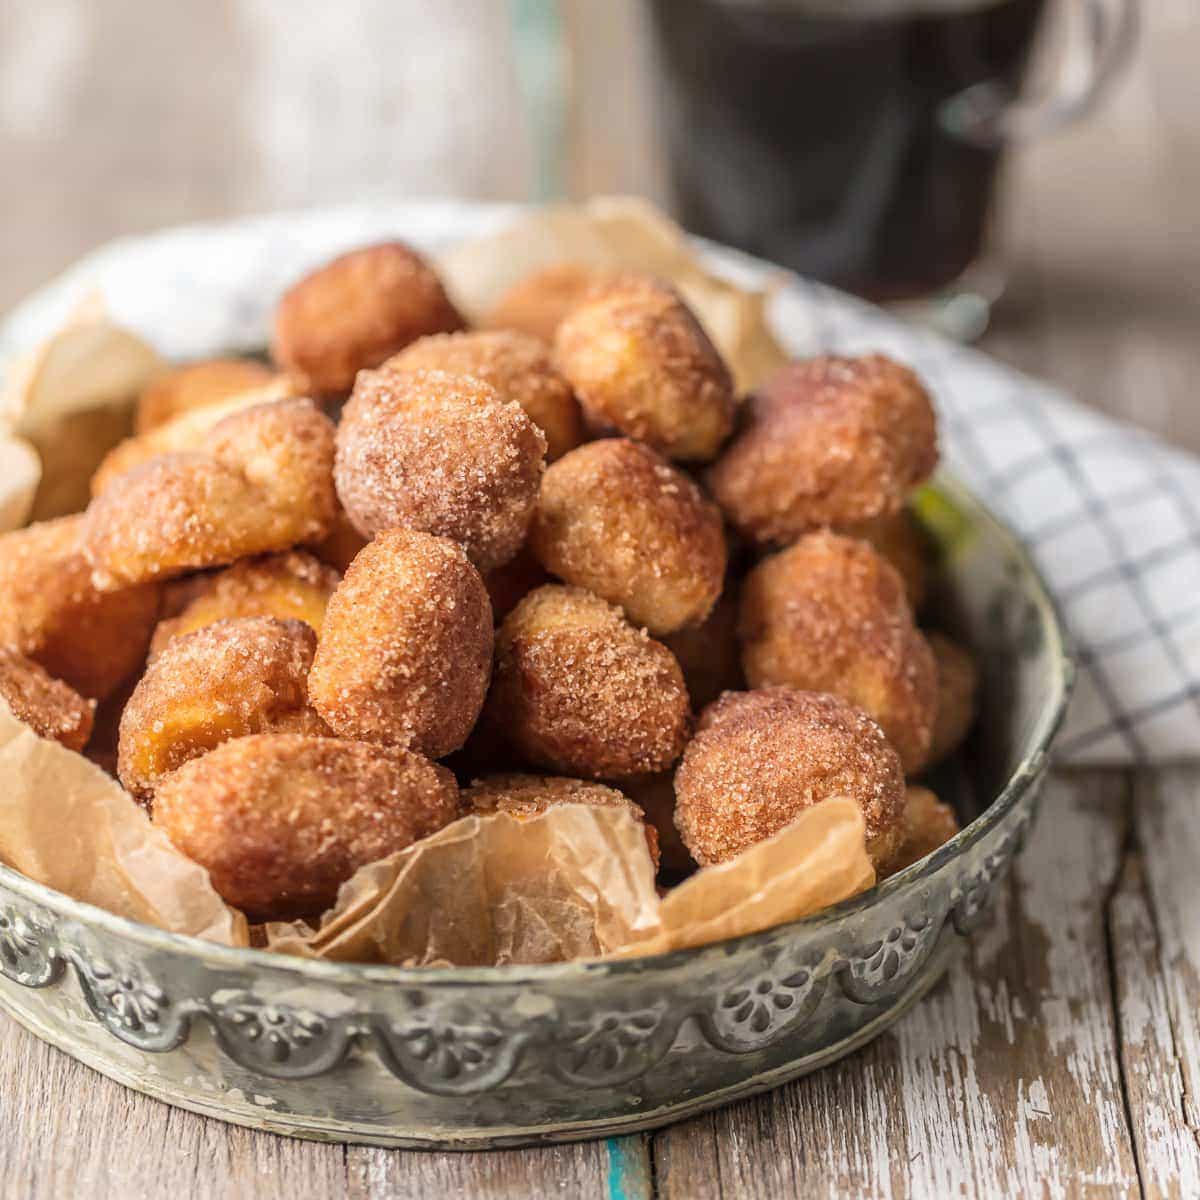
{"x":1111,"y":515}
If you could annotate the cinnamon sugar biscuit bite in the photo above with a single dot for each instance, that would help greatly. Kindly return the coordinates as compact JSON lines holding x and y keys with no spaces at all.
{"x":578,"y":689}
{"x":958,"y":681}
{"x":356,"y":311}
{"x":902,"y":541}
{"x":51,"y":708}
{"x":406,"y":651}
{"x":294,"y":585}
{"x":618,"y":519}
{"x":928,"y":824}
{"x":525,"y":796}
{"x":508,"y":585}
{"x":829,"y":441}
{"x":443,"y":454}
{"x":51,"y":611}
{"x":537,"y":304}
{"x":341,"y":544}
{"x":655,"y":795}
{"x":282,"y":820}
{"x":229,"y":679}
{"x":196,"y":385}
{"x":517,"y":366}
{"x":263,"y":482}
{"x":760,"y":758}
{"x":641,"y":363}
{"x":829,"y":614}
{"x":710,"y":654}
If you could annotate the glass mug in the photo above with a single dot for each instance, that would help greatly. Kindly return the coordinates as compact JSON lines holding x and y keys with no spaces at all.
{"x":859,"y":141}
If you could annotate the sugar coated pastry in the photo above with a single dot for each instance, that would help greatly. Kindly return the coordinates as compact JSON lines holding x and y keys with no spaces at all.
{"x":443,"y":454}
{"x":655,"y":795}
{"x":928,"y":824}
{"x":618,"y":519}
{"x":517,"y":366}
{"x":528,"y":795}
{"x":51,"y":708}
{"x":51,"y":611}
{"x":958,"y":682}
{"x":709,"y":653}
{"x":228,"y":679}
{"x":406,"y":650}
{"x":263,"y":482}
{"x":640,"y":363}
{"x":902,"y":541}
{"x":829,"y":441}
{"x":537,"y":304}
{"x":196,"y":385}
{"x":356,"y":311}
{"x":293,"y":585}
{"x":282,"y":820}
{"x":761,"y":757}
{"x":579,"y":690}
{"x":829,"y":614}
{"x":508,"y":585}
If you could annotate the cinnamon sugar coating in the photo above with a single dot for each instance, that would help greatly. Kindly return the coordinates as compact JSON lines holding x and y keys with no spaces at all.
{"x":232,"y":678}
{"x":640,"y":362}
{"x":356,"y":311}
{"x":282,"y":820}
{"x":51,"y":708}
{"x":958,"y":682}
{"x":517,"y":366}
{"x":928,"y":823}
{"x":902,"y":541}
{"x":263,"y":482}
{"x":578,"y":689}
{"x":710,"y":653}
{"x":618,"y":519}
{"x":829,"y":614}
{"x":293,"y":585}
{"x":196,"y":385}
{"x":525,"y":796}
{"x":537,"y":304}
{"x":406,"y":652}
{"x":51,"y":611}
{"x":761,"y":757}
{"x":443,"y":454}
{"x":829,"y":441}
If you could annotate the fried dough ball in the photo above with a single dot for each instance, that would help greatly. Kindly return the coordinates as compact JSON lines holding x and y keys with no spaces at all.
{"x":443,"y":454}
{"x":640,"y":362}
{"x":232,"y":678}
{"x":282,"y":820}
{"x":508,"y":585}
{"x":356,"y":311}
{"x":928,"y":823}
{"x":761,"y":757}
{"x":196,"y":385}
{"x":517,"y":366}
{"x":902,"y":541}
{"x":264,"y":482}
{"x":618,"y":519}
{"x":406,"y":652}
{"x":578,"y":689}
{"x":51,"y":708}
{"x":710,"y":654}
{"x":187,"y":431}
{"x":537,"y":304}
{"x":51,"y":612}
{"x":829,"y":441}
{"x":294,"y":586}
{"x":655,"y":795}
{"x":829,"y":614}
{"x":958,"y":682}
{"x":524,"y":796}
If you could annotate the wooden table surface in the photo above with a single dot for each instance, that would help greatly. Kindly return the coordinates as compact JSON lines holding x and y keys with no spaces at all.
{"x":1060,"y":1056}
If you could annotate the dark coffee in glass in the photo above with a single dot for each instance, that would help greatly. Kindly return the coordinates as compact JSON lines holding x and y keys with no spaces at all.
{"x":816,"y":134}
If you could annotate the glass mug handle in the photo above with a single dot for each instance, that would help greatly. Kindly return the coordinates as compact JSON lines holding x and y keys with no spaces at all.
{"x":990,"y":113}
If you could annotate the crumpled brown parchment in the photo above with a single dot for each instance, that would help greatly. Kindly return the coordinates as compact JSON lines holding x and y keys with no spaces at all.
{"x":621,"y":233}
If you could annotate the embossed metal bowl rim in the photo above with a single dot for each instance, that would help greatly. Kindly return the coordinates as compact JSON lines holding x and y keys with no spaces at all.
{"x":348,"y":974}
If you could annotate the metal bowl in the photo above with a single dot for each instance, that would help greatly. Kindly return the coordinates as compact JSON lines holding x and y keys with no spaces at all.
{"x":460,"y":1058}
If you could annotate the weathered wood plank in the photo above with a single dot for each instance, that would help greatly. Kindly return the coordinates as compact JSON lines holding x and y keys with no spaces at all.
{"x":1155,"y":921}
{"x":618,"y":1169}
{"x":1004,"y":1081}
{"x":67,"y":1131}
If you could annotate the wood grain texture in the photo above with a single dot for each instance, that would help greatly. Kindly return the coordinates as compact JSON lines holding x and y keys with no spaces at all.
{"x":1003,"y":1082}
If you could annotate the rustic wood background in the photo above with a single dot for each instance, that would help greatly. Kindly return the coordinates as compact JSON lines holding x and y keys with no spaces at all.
{"x":1060,"y":1057}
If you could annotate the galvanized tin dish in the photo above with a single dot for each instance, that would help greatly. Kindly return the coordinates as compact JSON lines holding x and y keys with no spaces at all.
{"x":461,"y":1058}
